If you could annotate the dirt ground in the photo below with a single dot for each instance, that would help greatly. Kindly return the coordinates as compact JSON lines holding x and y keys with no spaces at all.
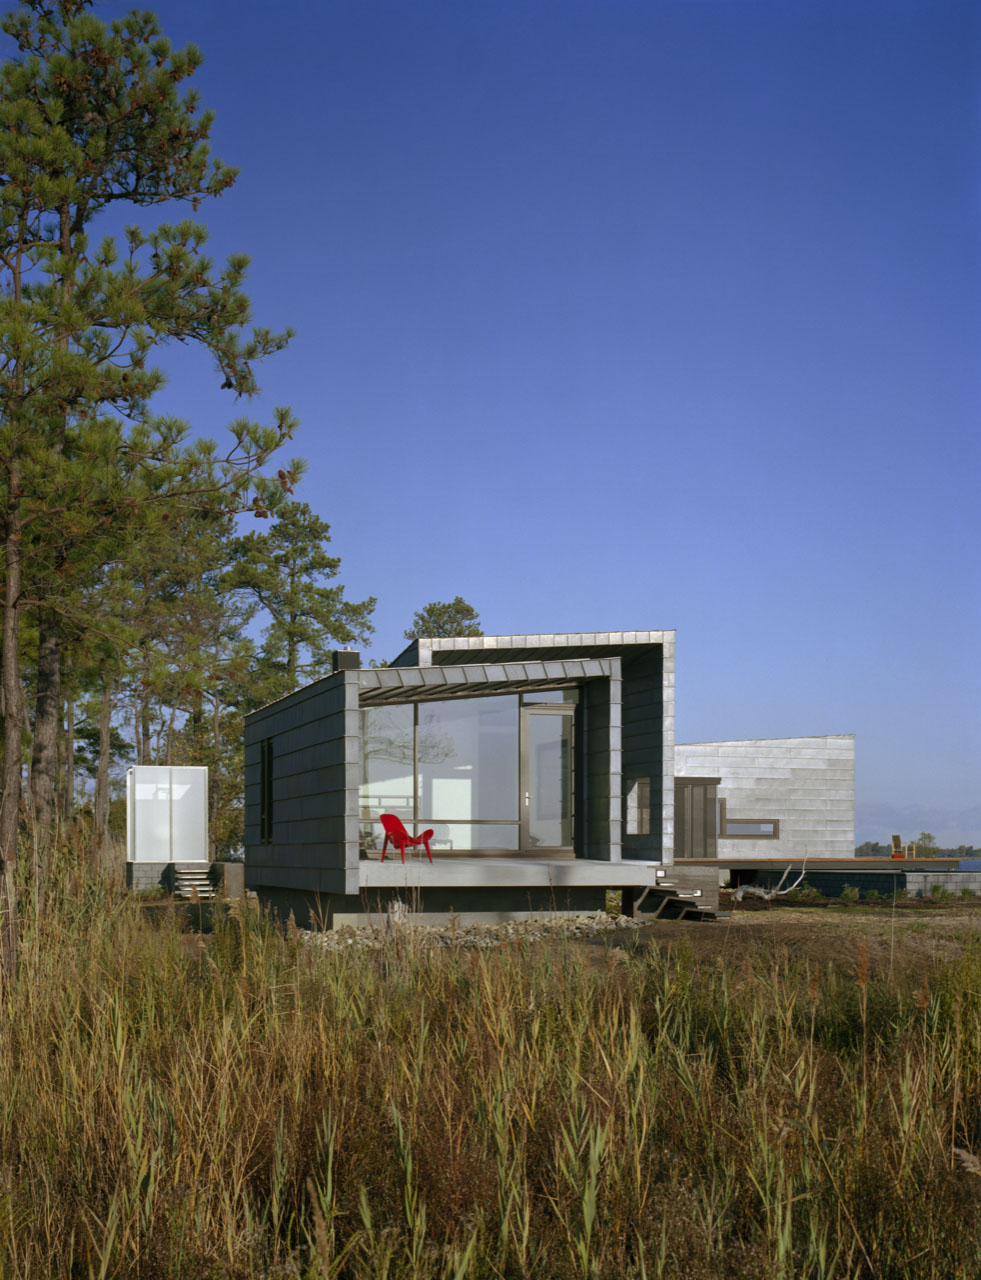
{"x":912,"y":936}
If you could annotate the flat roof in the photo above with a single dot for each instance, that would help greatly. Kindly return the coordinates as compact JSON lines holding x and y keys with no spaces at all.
{"x":594,"y":644}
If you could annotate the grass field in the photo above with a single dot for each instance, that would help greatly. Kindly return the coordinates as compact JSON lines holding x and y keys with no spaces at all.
{"x":790,"y":1094}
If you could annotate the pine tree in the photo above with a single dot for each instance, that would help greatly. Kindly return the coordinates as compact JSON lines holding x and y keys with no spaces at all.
{"x":90,"y":116}
{"x":439,"y":618}
{"x":289,"y":574}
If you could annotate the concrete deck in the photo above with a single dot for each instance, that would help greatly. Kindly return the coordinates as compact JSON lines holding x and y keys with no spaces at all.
{"x":452,"y":873}
{"x":898,"y":865}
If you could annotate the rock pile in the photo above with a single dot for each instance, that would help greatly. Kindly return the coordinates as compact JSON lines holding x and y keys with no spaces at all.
{"x":453,"y":934}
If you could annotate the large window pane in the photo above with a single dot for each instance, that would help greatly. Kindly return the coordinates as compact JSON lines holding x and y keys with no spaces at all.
{"x":468,"y":759}
{"x":462,"y":836}
{"x":387,"y":775}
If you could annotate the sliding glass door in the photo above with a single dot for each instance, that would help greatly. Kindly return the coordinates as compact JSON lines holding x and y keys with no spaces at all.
{"x":546,"y":779}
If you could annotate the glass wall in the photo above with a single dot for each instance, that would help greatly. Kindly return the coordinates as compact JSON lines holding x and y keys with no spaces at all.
{"x":468,"y":760}
{"x":455,"y":765}
{"x":388,"y":768}
{"x":450,"y":765}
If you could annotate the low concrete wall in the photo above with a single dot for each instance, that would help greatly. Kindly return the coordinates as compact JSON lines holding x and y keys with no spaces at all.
{"x":144,"y":876}
{"x":917,"y":884}
{"x":229,"y":878}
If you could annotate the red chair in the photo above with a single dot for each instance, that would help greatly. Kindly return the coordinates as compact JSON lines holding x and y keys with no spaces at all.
{"x":396,"y":832}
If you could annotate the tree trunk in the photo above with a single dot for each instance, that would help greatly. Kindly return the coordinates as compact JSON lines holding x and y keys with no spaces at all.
{"x":146,"y":665}
{"x":213,"y":796}
{"x":44,"y":757}
{"x":146,"y":741}
{"x":100,"y":831}
{"x":69,"y":794}
{"x":170,"y":734}
{"x":12,"y":722}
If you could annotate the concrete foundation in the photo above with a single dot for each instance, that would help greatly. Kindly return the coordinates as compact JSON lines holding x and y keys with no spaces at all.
{"x":142,"y":877}
{"x":429,"y":906}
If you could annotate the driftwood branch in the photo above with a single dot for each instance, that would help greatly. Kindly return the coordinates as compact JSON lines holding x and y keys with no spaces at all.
{"x":755,"y":891}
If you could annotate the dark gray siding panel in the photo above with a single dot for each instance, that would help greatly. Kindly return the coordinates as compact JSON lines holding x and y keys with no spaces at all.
{"x":643,"y":741}
{"x":315,"y":736}
{"x":598,"y":796}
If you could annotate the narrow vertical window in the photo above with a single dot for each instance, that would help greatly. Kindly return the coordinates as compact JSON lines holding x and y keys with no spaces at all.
{"x":266,"y":790}
{"x":638,"y":800}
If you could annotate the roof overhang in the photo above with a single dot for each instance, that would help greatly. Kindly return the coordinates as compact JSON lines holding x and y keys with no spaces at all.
{"x":379,"y":685}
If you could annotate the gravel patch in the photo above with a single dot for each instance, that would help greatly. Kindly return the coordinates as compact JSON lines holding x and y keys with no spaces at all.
{"x":545,"y":929}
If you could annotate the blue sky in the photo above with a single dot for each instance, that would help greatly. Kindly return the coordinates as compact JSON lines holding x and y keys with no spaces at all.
{"x":626,"y":315}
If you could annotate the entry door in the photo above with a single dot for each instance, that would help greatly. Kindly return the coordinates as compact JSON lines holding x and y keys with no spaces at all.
{"x":695,"y":825}
{"x":546,"y":779}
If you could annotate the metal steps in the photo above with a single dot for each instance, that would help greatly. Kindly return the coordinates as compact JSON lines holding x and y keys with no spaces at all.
{"x":192,"y":881}
{"x":665,"y":902}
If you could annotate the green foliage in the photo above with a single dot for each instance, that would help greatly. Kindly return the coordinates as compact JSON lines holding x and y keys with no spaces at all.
{"x":850,"y":893}
{"x":455,"y":618}
{"x":872,"y":849}
{"x":87,"y":748}
{"x":804,"y":893}
{"x":121,"y":552}
{"x":288,"y":573}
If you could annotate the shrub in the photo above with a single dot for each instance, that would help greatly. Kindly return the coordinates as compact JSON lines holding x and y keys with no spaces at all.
{"x":850,"y":893}
{"x":804,"y":893}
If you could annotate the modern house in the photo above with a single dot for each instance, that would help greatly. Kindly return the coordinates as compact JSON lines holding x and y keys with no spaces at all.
{"x":544,"y":765}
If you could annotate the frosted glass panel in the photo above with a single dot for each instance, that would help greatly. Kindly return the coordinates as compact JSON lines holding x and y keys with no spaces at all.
{"x":150,"y":799}
{"x":189,"y":814}
{"x":167,"y":814}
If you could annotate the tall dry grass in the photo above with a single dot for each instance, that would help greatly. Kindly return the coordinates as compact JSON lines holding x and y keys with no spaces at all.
{"x":260,"y":1107}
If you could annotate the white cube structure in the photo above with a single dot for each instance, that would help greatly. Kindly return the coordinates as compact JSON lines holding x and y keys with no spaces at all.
{"x":166,"y":813}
